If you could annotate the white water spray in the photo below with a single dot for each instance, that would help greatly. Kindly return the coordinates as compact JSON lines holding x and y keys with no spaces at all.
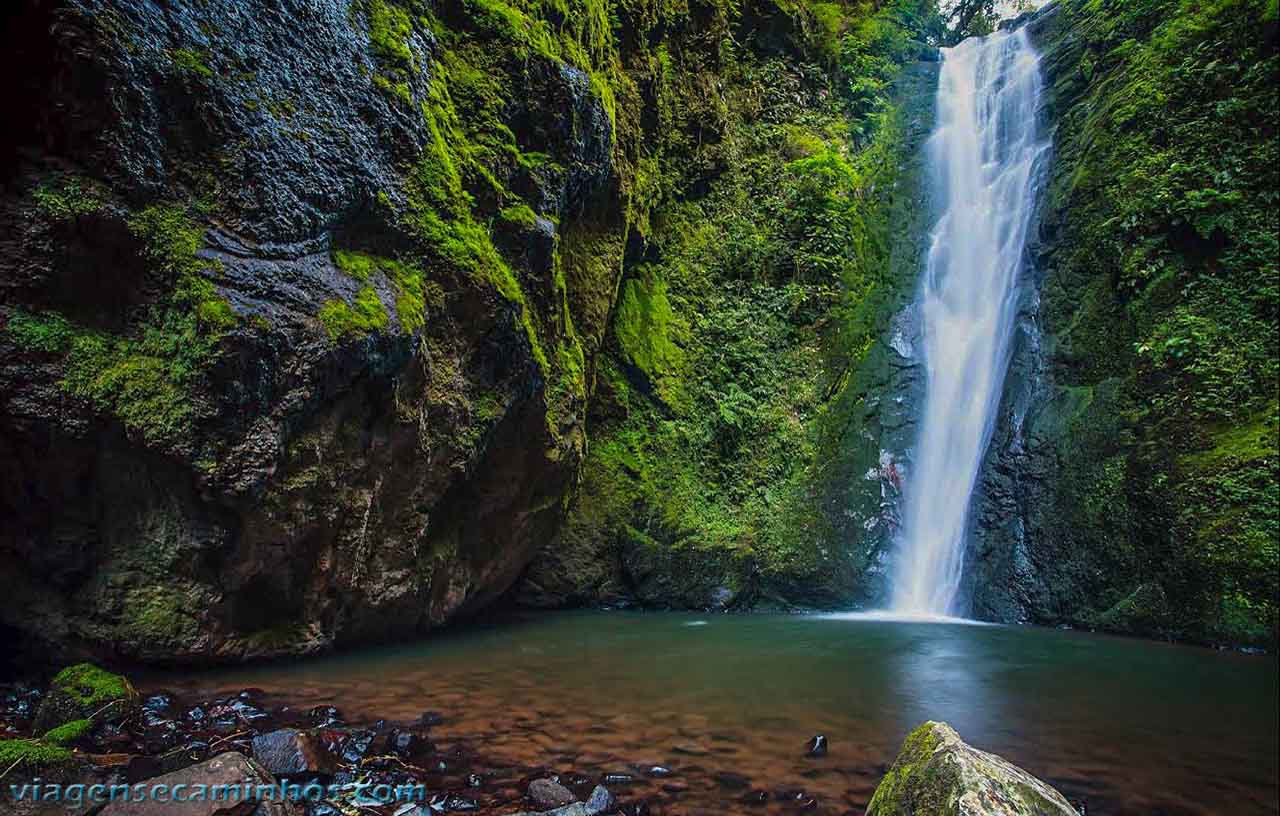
{"x":983,"y":163}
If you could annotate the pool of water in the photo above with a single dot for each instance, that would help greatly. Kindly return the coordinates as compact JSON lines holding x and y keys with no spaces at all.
{"x":728,"y":702}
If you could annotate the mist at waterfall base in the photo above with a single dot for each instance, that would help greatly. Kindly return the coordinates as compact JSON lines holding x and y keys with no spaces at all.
{"x":985,"y":159}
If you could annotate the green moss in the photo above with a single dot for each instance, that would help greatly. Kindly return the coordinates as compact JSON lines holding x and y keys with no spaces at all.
{"x":390,"y":27}
{"x":158,"y":615}
{"x":145,"y":376}
{"x":72,"y":196}
{"x":68,"y":733}
{"x":519,"y":215}
{"x":171,"y":241}
{"x":646,"y":329}
{"x":31,"y":755}
{"x":365,"y":315}
{"x":407,"y":280}
{"x":357,"y":265}
{"x":89,"y":685}
{"x":48,"y":332}
{"x":912,"y":785}
{"x":191,"y":61}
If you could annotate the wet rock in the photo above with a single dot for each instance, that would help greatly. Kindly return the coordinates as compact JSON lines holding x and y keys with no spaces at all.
{"x":290,"y":752}
{"x":452,"y":803}
{"x":618,"y":779}
{"x":142,"y":767}
{"x":156,"y":710}
{"x":83,"y":692}
{"x":474,"y":780}
{"x":938,"y":773}
{"x":431,"y":718}
{"x":817,"y":746}
{"x":20,"y":704}
{"x":600,"y":800}
{"x":357,"y":746}
{"x":325,"y":715}
{"x":659,"y":772}
{"x":548,"y":793}
{"x":285,"y":106}
{"x":224,"y":770}
{"x":731,"y":781}
{"x":404,"y":743}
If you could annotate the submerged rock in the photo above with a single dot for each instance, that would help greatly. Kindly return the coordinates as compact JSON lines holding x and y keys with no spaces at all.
{"x":600,"y":800}
{"x":548,"y":793}
{"x":938,"y":774}
{"x":817,"y":746}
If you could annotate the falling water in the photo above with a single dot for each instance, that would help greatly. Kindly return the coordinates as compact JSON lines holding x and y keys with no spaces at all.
{"x":984,"y":158}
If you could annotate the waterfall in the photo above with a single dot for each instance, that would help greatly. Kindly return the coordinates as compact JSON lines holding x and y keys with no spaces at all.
{"x":983,"y":165}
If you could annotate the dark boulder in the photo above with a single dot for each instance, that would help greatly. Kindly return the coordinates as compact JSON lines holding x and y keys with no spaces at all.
{"x":290,"y":752}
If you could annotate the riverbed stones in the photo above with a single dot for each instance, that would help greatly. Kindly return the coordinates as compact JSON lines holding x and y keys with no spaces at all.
{"x":600,"y":802}
{"x":939,"y":774}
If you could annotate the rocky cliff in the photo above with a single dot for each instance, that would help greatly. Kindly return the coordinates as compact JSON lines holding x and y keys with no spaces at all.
{"x":1132,"y":482}
{"x":297,"y":328}
{"x":304,"y":302}
{"x":741,"y":411}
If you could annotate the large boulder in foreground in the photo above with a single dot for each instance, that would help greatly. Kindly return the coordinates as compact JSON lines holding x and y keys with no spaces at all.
{"x":228,"y":774}
{"x":938,"y":774}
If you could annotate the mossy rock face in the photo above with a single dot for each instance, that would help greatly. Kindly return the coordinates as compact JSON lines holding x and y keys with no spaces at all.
{"x":85,"y":693}
{"x":938,"y":774}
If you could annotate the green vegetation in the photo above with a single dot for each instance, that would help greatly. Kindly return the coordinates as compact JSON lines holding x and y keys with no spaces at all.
{"x":68,"y":733}
{"x":731,"y":342}
{"x":1166,"y":296}
{"x":908,"y":787}
{"x":31,"y":755}
{"x":191,"y":61}
{"x":91,"y":687}
{"x":72,"y":196}
{"x":82,"y":692}
{"x":146,"y":376}
{"x":366,"y":314}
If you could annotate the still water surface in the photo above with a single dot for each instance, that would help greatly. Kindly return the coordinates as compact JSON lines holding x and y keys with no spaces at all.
{"x":1129,"y":726}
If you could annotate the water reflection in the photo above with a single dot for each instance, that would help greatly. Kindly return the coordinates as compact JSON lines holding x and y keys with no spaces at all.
{"x":1134,"y":727}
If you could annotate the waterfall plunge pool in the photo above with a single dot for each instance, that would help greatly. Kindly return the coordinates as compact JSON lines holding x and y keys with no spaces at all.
{"x":727,"y":703}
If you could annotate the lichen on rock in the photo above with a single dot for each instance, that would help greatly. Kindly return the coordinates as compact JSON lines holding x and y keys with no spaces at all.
{"x":938,"y":774}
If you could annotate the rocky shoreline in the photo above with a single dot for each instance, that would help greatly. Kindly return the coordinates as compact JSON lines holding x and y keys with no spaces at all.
{"x":92,"y":744}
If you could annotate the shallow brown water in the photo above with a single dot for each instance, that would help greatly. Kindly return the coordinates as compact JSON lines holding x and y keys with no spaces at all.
{"x":728,"y":702}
